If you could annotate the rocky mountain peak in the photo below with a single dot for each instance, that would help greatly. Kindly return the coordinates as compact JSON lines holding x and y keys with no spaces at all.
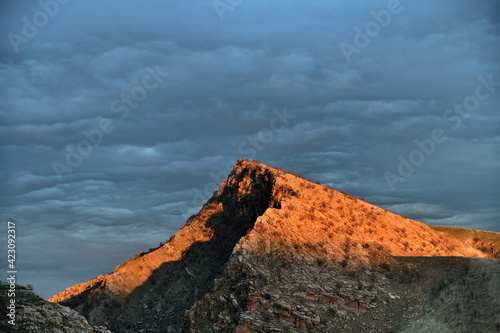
{"x":266,"y":240}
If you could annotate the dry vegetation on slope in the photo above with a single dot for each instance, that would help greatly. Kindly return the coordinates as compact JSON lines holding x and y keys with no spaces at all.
{"x":487,"y":242}
{"x":336,"y":225}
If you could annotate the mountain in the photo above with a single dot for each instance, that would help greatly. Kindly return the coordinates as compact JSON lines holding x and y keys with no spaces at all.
{"x":273,"y":252}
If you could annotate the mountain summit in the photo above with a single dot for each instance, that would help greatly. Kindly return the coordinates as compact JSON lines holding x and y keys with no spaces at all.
{"x":273,"y":252}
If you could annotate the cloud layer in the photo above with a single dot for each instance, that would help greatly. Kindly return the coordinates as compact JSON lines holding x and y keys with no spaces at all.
{"x":89,"y":68}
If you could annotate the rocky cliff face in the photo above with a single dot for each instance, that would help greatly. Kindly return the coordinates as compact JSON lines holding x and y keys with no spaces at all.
{"x":272,"y":252}
{"x":152,"y":290}
{"x":35,"y":315}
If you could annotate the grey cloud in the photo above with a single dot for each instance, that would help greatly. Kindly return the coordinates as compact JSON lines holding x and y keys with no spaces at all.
{"x":352,"y":121}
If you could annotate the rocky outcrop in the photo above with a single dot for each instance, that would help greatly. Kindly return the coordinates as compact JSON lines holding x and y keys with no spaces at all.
{"x":35,"y":315}
{"x":272,"y":252}
{"x":152,"y":290}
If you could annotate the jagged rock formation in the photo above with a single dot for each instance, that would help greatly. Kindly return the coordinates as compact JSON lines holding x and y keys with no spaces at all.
{"x":35,"y":315}
{"x":154,"y":289}
{"x":272,"y":252}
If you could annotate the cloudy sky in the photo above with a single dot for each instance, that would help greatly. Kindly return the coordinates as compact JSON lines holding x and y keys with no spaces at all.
{"x":119,"y":118}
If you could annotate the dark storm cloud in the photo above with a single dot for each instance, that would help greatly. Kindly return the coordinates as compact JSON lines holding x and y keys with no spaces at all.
{"x":349,"y":121}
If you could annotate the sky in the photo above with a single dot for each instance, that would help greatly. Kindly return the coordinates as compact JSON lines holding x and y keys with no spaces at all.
{"x":118,"y":119}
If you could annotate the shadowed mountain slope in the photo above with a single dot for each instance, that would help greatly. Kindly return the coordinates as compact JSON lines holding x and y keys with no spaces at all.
{"x":271,"y":251}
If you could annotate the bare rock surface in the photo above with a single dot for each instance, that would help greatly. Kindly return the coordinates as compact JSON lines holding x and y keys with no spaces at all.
{"x":35,"y":315}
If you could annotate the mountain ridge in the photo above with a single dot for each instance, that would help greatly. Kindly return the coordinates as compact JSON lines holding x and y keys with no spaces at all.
{"x":258,"y":212}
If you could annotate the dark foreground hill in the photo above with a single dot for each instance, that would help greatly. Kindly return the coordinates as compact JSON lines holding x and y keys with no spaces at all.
{"x":32,"y":314}
{"x":272,"y":252}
